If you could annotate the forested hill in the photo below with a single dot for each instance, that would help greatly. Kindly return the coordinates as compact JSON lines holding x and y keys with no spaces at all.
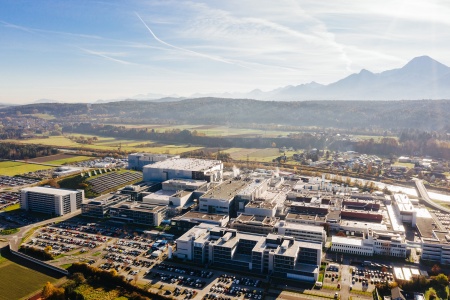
{"x":419,"y":114}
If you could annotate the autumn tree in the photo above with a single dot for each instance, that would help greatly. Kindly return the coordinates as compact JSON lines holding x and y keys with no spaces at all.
{"x":436,"y":269}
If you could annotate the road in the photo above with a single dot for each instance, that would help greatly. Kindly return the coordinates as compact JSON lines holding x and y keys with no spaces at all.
{"x":426,"y":198}
{"x":16,"y":239}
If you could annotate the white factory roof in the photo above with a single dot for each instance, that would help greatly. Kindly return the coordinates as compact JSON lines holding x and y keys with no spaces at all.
{"x":363,"y":225}
{"x":403,"y":202}
{"x":46,"y":190}
{"x":347,"y":241}
{"x":191,"y":164}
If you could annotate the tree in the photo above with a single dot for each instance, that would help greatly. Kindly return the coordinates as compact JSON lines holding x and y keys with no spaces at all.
{"x":78,"y":278}
{"x":48,"y":290}
{"x":442,"y":279}
{"x":48,"y":249}
{"x":436,"y":269}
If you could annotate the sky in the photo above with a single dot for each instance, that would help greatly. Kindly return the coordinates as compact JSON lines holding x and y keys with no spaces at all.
{"x":86,"y":50}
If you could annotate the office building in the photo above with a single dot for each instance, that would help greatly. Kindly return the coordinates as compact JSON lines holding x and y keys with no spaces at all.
{"x":254,"y":224}
{"x":51,"y":201}
{"x":99,"y":207}
{"x":184,"y":168}
{"x":302,"y":232}
{"x":138,"y":213}
{"x":281,"y":257}
{"x":220,"y":199}
{"x":370,"y":243}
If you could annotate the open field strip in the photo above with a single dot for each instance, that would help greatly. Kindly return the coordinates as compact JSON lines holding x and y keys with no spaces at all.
{"x":19,"y":168}
{"x":17,"y":281}
{"x":68,"y":160}
{"x":61,"y":141}
{"x":210,"y":130}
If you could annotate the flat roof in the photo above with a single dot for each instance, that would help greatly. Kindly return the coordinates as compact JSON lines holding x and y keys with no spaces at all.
{"x":252,"y":185}
{"x":226,"y":190}
{"x":138,"y":206}
{"x":296,"y":216}
{"x":363,"y":225}
{"x":47,"y":190}
{"x":191,"y":164}
{"x":201,"y":216}
{"x":261,"y":204}
{"x":347,"y":241}
{"x":159,"y":195}
{"x":425,"y":227}
{"x":302,"y":227}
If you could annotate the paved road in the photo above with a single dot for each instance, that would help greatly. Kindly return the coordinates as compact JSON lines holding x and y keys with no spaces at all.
{"x":426,"y":198}
{"x":346,"y":280}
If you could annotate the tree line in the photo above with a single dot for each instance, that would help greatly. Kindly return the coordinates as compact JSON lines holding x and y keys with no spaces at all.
{"x":25,"y":151}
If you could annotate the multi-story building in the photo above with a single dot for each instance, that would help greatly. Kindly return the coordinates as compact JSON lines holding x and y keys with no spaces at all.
{"x":136,"y":161}
{"x":254,"y":224}
{"x":220,"y":200}
{"x":281,"y":257}
{"x":184,"y":168}
{"x":437,"y":247}
{"x":138,"y":213}
{"x":50,"y":200}
{"x":388,"y":244}
{"x":193,"y":218}
{"x":99,"y":207}
{"x":302,"y":232}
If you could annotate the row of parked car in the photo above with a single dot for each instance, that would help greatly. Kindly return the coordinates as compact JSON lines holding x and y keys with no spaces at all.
{"x":187,"y":271}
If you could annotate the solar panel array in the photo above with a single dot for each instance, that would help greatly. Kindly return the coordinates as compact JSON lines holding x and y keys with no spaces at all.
{"x":113,"y":180}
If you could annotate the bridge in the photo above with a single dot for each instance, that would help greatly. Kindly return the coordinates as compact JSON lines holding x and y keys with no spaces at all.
{"x":423,"y":195}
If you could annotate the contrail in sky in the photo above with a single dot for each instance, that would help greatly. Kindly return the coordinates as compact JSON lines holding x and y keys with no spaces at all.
{"x":187,"y":50}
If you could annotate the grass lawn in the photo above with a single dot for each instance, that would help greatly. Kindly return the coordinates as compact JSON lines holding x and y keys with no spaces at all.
{"x":12,"y":207}
{"x":68,"y":160}
{"x":97,"y":293}
{"x":15,"y":168}
{"x":17,"y":281}
{"x":408,"y":165}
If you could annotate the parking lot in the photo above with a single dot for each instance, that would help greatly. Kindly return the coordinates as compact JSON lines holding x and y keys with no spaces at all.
{"x":8,"y":199}
{"x":17,"y":181}
{"x":141,"y":259}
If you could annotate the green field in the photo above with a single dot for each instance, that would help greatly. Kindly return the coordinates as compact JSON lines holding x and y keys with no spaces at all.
{"x":68,"y":160}
{"x":211,"y":130}
{"x":407,"y":165}
{"x":259,"y":155}
{"x":17,"y":281}
{"x":109,"y":144}
{"x":15,"y":168}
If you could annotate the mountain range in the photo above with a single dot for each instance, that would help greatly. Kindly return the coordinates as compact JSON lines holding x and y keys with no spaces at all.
{"x":421,"y":78}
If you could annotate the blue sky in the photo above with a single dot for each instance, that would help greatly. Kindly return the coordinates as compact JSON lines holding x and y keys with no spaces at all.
{"x":78,"y":51}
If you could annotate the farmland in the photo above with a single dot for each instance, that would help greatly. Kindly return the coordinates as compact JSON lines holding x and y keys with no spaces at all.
{"x":211,"y":130}
{"x":110,"y":144}
{"x":60,"y":159}
{"x":17,"y":281}
{"x":9,"y":168}
{"x":259,"y":155}
{"x":12,"y":168}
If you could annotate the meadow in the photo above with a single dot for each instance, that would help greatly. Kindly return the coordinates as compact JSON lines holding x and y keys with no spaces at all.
{"x":15,"y":168}
{"x":17,"y":281}
{"x":211,"y":130}
{"x":109,"y":144}
{"x":12,"y":168}
{"x":258,"y":155}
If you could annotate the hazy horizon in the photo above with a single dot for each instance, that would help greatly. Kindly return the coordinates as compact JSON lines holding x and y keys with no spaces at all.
{"x":84,"y":51}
